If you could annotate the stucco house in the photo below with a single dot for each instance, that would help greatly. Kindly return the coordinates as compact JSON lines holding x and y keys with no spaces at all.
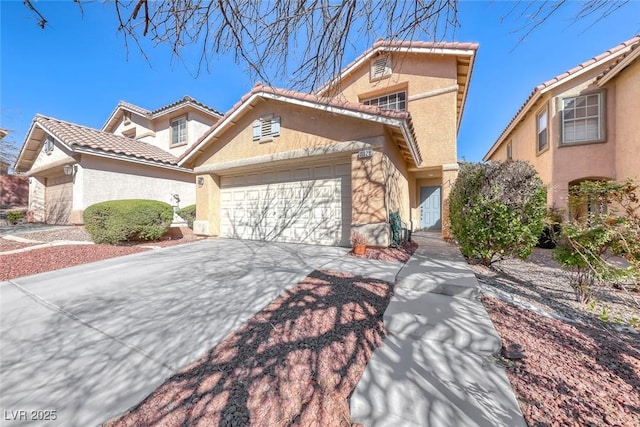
{"x":580,"y":125}
{"x":134,"y":155}
{"x":382,"y":137}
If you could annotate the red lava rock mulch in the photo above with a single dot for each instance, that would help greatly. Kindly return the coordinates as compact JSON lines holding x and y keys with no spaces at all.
{"x":570,"y":375}
{"x":296,"y":362}
{"x":401,"y":254}
{"x":9,"y":245}
{"x":57,"y":257}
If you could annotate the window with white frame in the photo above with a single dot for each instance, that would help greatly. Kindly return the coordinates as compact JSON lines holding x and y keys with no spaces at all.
{"x":380,"y":67}
{"x":179,"y":131}
{"x":542,"y":129}
{"x":510,"y":150}
{"x":582,"y":118}
{"x":393,"y":101}
{"x":266,"y":128}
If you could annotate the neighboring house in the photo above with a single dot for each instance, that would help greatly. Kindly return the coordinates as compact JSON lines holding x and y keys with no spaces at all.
{"x":581,"y":125}
{"x":288,"y":166}
{"x":4,"y":161}
{"x":134,"y":156}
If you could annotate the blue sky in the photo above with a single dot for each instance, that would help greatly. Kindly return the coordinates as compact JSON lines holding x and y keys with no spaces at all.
{"x":78,"y":68}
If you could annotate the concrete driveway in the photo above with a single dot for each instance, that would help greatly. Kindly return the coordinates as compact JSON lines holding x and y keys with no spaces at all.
{"x":91,"y":341}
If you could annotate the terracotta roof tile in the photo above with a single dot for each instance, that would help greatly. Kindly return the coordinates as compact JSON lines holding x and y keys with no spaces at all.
{"x":75,"y":135}
{"x":259,"y":89}
{"x":135,"y":108}
{"x":186,"y":99}
{"x":398,"y":44}
{"x":633,"y":42}
{"x":614,"y":64}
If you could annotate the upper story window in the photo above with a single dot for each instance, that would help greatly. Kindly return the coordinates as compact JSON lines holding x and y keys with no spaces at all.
{"x":266,"y":128}
{"x":583,"y":118}
{"x":542,"y":129}
{"x":179,"y":131}
{"x":380,"y":67}
{"x":510,"y":150}
{"x":393,"y":101}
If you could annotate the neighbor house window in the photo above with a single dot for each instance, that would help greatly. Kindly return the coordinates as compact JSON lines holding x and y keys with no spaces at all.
{"x":509,"y":150}
{"x":179,"y":131}
{"x":381,"y":67}
{"x":542,"y":128}
{"x":266,"y":128}
{"x":394,"y":101}
{"x":582,"y":118}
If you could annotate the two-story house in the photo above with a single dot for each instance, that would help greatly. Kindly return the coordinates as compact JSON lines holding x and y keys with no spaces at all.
{"x":382,"y":137}
{"x":134,"y":156}
{"x":581,"y":125}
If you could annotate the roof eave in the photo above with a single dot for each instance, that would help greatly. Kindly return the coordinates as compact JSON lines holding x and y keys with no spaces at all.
{"x":231,"y":119}
{"x":635,"y":54}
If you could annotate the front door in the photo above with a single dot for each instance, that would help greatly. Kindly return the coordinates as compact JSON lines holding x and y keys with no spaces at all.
{"x":430,"y":218}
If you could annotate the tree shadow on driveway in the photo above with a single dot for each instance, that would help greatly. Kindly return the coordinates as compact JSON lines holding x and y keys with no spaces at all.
{"x":296,"y":361}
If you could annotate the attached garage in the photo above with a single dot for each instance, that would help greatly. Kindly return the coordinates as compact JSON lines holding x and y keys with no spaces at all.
{"x":58,"y":199}
{"x":301,"y":204}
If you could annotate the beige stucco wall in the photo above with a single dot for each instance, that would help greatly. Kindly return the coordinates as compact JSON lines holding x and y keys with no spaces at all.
{"x":560,"y":164}
{"x":158,"y":131}
{"x":627,"y":125}
{"x":107,"y":179}
{"x":300,"y":128}
{"x":434,"y":117}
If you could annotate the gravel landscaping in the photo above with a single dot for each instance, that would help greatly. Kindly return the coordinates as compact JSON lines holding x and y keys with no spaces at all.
{"x":566,"y":365}
{"x":56,"y":257}
{"x":295,"y":362}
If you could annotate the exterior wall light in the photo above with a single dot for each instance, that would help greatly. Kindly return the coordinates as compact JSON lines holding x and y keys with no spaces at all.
{"x":200,"y":181}
{"x":70,"y":170}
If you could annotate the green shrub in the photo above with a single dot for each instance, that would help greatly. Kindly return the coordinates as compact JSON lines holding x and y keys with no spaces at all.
{"x":15,"y":216}
{"x":497,"y":210}
{"x":188,"y":213}
{"x":587,"y":242}
{"x":127,"y":220}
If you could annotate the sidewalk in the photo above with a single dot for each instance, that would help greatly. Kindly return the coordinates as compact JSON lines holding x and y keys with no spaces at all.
{"x":436,"y":367}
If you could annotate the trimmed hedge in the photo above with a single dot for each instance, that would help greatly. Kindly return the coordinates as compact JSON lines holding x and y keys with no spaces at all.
{"x":188,"y":213}
{"x":119,"y":221}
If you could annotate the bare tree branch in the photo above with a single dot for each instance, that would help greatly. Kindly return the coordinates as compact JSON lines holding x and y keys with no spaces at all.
{"x":302,"y":43}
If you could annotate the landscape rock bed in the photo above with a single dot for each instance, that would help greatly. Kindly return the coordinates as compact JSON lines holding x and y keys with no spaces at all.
{"x":295,"y":362}
{"x":57,"y":257}
{"x":400,"y":254}
{"x":540,"y":281}
{"x":568,"y":374}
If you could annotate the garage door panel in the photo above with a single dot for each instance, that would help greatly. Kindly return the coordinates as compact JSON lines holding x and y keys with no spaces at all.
{"x":308,"y":210}
{"x":58,"y":199}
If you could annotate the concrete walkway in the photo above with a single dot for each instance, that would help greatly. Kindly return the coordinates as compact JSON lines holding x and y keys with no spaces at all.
{"x":436,"y":367}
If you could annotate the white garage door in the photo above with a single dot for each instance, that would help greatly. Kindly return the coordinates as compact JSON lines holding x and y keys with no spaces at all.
{"x":58,"y":199}
{"x":301,"y":205}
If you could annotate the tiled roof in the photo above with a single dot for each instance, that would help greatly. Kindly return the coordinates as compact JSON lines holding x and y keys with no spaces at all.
{"x":618,"y":61}
{"x":184,"y":100}
{"x":75,"y":135}
{"x":601,"y":58}
{"x":400,"y":44}
{"x":135,"y":108}
{"x":260,"y":89}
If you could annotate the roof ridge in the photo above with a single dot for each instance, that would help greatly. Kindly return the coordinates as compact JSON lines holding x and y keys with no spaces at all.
{"x":607,"y":55}
{"x":154,"y":153}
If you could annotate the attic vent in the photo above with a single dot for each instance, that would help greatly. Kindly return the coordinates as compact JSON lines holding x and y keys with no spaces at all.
{"x":381,"y":67}
{"x":266,"y":127}
{"x":48,"y":145}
